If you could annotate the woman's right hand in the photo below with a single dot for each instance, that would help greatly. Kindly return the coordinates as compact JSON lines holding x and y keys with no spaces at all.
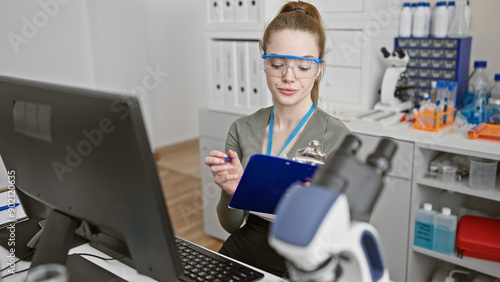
{"x":226,"y":174}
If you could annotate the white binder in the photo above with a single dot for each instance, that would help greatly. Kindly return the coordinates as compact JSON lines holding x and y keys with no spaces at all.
{"x":217,"y":90}
{"x":215,"y":11}
{"x":228,"y":10}
{"x":229,"y":72}
{"x":241,"y":11}
{"x":253,"y":10}
{"x":242,"y":75}
{"x":256,"y":75}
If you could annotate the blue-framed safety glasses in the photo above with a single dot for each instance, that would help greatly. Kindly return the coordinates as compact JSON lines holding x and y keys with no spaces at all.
{"x":302,"y":67}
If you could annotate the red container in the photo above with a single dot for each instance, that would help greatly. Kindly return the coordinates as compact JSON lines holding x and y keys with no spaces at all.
{"x":479,"y":237}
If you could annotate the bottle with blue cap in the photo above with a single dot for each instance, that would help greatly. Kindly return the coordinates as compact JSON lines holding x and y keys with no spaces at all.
{"x":405,"y":20}
{"x":451,"y":11}
{"x":428,"y":21}
{"x":440,"y":20}
{"x":458,"y":26}
{"x":468,"y":14}
{"x":419,"y":21}
{"x":493,"y":108}
{"x":478,"y":80}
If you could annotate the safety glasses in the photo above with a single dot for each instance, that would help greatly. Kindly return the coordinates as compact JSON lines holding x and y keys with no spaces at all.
{"x":302,"y":67}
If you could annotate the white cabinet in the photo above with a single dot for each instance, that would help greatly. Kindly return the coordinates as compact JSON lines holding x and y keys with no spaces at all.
{"x":391,"y":213}
{"x":422,"y":262}
{"x":356,"y":31}
{"x":213,"y":131}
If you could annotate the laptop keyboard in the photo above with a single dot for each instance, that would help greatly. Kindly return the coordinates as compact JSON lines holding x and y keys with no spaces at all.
{"x":202,"y":265}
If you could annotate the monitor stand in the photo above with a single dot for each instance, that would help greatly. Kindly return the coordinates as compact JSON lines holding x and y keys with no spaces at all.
{"x":56,"y":240}
{"x":53,"y":247}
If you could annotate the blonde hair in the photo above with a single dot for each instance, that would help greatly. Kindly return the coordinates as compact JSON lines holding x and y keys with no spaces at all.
{"x":299,"y":16}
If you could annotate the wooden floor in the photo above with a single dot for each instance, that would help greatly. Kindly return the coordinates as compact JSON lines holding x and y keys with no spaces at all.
{"x":180,"y":174}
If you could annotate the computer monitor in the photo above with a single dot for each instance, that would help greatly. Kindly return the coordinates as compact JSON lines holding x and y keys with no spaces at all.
{"x":85,"y":155}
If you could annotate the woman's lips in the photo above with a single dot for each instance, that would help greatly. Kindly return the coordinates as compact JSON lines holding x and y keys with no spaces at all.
{"x":287,"y":91}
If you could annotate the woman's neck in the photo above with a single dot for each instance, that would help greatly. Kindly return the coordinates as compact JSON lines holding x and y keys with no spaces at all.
{"x":286,"y":117}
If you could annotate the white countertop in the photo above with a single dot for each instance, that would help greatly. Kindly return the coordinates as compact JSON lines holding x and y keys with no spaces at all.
{"x":448,"y":139}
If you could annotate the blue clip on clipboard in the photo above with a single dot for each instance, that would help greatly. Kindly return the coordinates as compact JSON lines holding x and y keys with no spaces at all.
{"x":264,"y":181}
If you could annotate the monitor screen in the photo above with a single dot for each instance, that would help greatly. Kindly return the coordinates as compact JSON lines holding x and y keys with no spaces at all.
{"x":85,"y":154}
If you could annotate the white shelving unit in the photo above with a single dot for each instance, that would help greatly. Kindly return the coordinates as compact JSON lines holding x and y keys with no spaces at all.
{"x":422,"y":263}
{"x":356,"y":31}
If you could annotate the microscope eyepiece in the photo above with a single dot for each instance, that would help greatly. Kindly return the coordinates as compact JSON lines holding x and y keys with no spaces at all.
{"x":350,"y":144}
{"x":385,"y":52}
{"x":400,"y":52}
{"x":381,"y":157}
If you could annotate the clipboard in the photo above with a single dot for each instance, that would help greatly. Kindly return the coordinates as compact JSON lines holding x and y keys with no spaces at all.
{"x":264,"y":181}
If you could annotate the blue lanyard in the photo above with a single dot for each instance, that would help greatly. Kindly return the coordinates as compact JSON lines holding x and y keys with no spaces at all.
{"x":297,"y":128}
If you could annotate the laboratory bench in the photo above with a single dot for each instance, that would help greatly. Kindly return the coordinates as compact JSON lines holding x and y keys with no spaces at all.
{"x":406,"y":189}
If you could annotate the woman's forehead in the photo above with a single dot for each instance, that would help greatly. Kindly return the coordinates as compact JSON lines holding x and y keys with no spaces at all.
{"x":292,"y":42}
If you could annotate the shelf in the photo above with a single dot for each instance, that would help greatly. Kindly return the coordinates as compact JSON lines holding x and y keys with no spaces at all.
{"x":485,"y":266}
{"x":462,"y":187}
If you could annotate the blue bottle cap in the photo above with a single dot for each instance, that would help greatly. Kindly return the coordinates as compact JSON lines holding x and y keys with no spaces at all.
{"x":451,"y":3}
{"x":414,"y":5}
{"x":480,"y":64}
{"x":406,"y":4}
{"x":497,"y":77}
{"x":442,"y":3}
{"x":421,"y":4}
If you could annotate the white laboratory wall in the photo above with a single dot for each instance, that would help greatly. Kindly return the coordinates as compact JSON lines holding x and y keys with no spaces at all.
{"x":50,"y":46}
{"x":484,"y":31}
{"x":113,"y":45}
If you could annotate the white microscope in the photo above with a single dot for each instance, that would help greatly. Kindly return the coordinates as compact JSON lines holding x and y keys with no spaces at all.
{"x":389,"y":100}
{"x":321,"y":230}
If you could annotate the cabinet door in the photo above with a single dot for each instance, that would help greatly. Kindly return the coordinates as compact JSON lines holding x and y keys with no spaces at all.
{"x":391,"y":213}
{"x":210,"y":190}
{"x":341,"y":84}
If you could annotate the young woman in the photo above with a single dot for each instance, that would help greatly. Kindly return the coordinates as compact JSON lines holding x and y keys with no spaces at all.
{"x":293,"y":46}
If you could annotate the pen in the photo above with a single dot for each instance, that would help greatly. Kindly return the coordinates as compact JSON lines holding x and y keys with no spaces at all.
{"x":2,"y":208}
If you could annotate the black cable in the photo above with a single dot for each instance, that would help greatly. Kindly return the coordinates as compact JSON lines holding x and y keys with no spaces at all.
{"x":17,"y":272}
{"x":29,"y":254}
{"x":80,"y":254}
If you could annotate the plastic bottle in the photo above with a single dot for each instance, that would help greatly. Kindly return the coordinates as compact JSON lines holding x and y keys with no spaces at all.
{"x":493,"y":108}
{"x":468,"y":15}
{"x":495,"y":90}
{"x":424,"y":227}
{"x":419,"y":18}
{"x":428,"y":19}
{"x":445,"y":229}
{"x":440,"y":20}
{"x":477,"y":78}
{"x":458,"y":26}
{"x":413,"y":8}
{"x":405,"y":20}
{"x":451,"y":11}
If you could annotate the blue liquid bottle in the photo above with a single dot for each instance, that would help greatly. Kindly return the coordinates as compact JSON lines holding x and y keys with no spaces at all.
{"x":424,"y":227}
{"x":445,"y":229}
